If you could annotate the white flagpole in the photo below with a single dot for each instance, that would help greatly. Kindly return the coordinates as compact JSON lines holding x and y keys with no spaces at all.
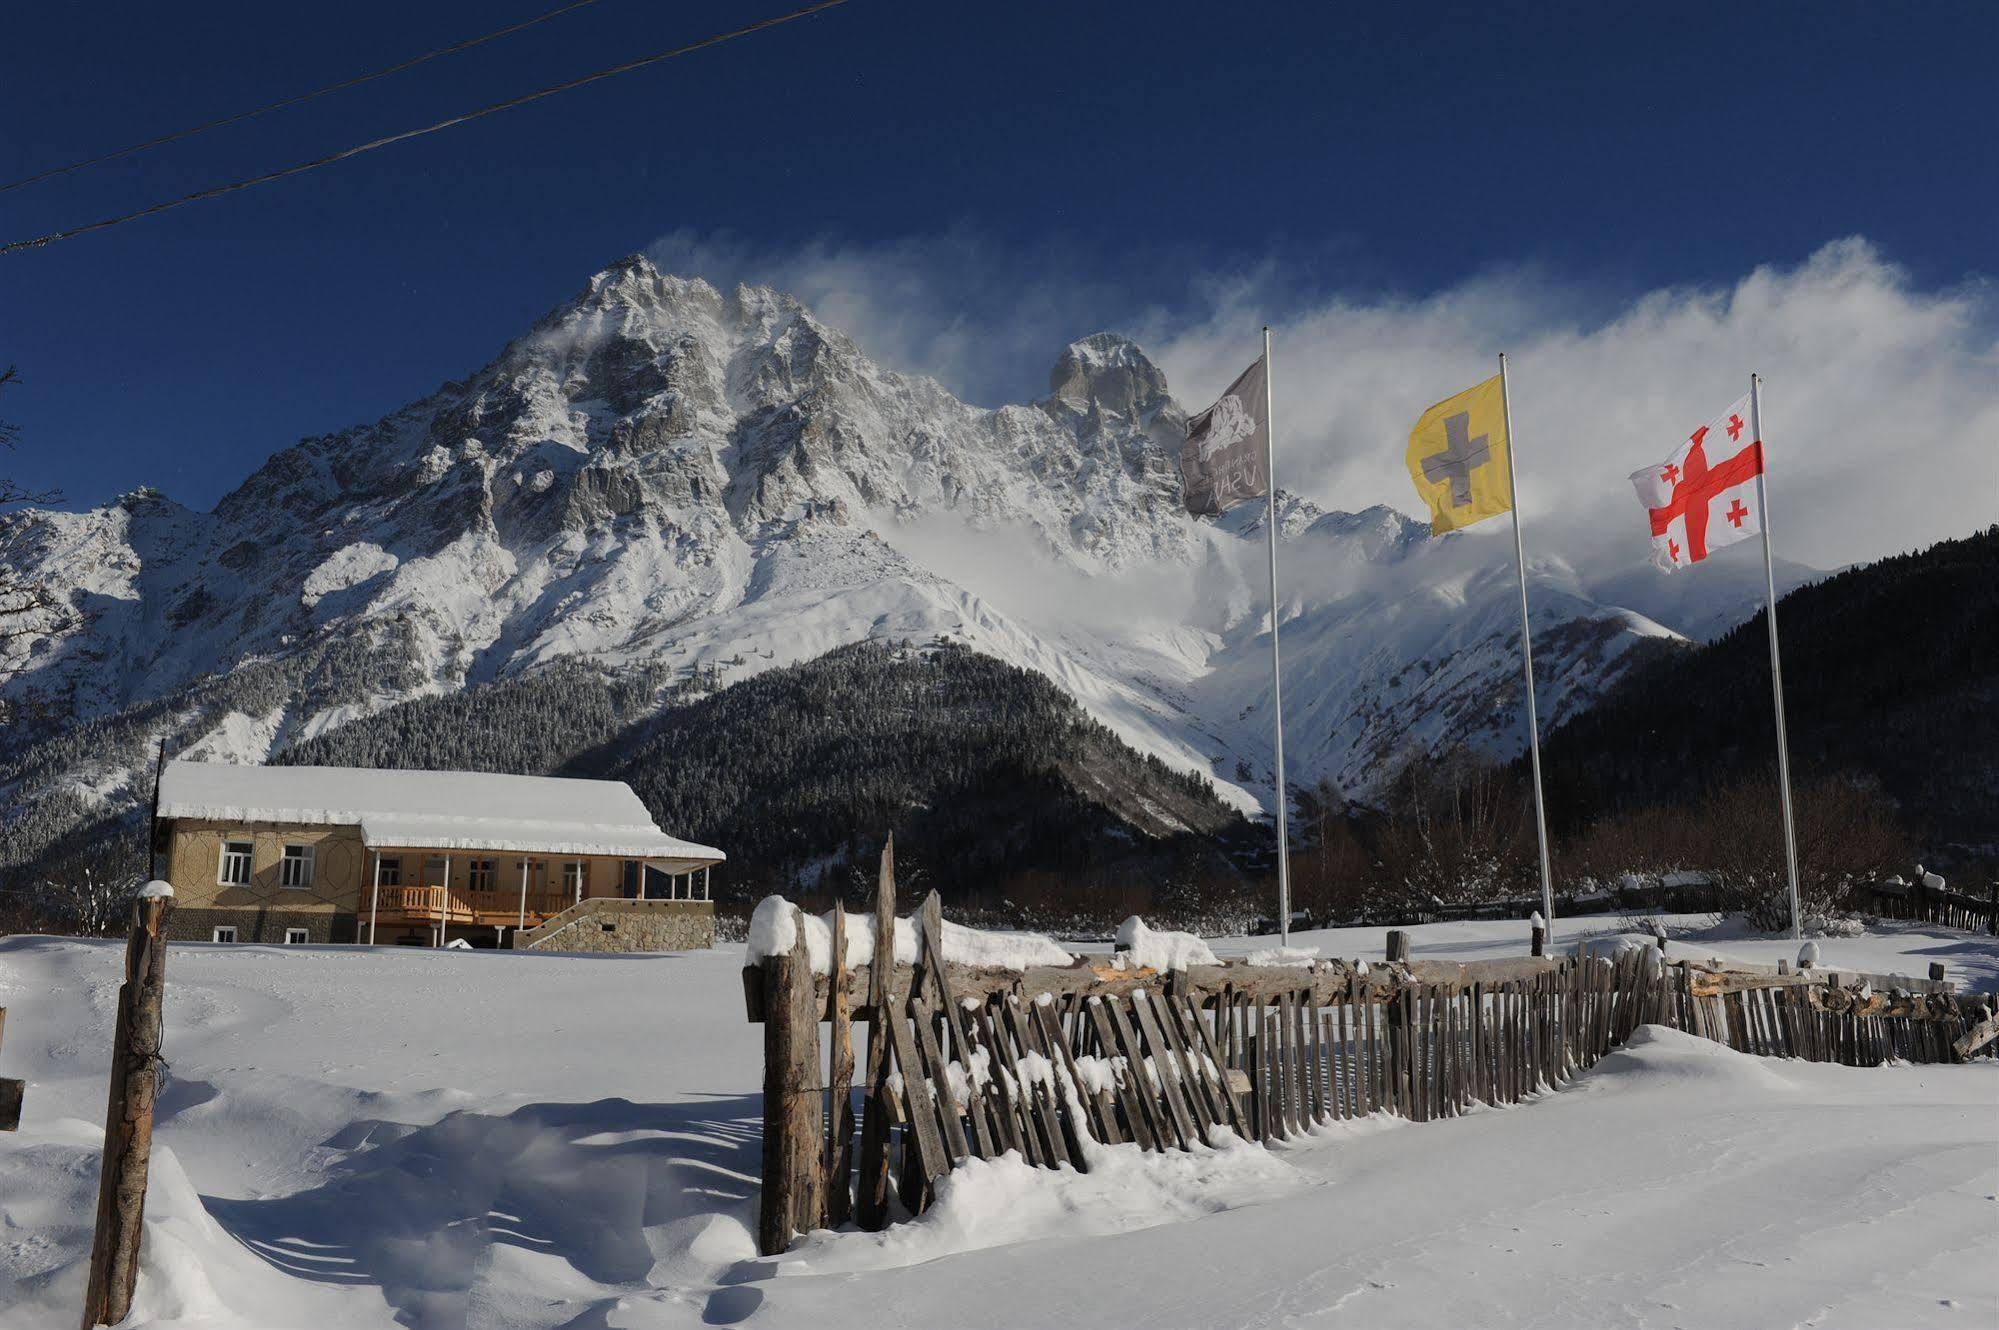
{"x":1776,"y":668}
{"x":1276,"y":670}
{"x":1527,"y":654}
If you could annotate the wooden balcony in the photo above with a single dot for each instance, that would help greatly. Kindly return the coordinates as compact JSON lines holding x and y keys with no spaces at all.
{"x":426,"y":905}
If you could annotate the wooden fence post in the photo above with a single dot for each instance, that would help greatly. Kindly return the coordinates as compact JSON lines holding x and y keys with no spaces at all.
{"x":839,"y":1096}
{"x":128,"y":1113}
{"x":11,"y":1091}
{"x":1398,"y":946}
{"x":793,"y":1156}
{"x":872,"y":1185}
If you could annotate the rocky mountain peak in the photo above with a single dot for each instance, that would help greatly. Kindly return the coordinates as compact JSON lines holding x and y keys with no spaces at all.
{"x":1107,"y":375}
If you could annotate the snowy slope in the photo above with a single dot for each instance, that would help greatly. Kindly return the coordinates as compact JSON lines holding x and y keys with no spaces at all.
{"x":660,"y":471}
{"x":445,"y":1140}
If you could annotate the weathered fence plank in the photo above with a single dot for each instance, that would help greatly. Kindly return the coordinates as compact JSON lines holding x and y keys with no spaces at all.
{"x":871,"y":1186}
{"x":128,"y":1116}
{"x":839,"y":1086}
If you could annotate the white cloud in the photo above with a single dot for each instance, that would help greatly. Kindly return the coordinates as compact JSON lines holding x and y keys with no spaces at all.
{"x":1881,"y":398}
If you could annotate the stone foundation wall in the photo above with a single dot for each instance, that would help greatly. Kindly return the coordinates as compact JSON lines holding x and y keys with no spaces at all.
{"x":197,"y":923}
{"x":612,"y":924}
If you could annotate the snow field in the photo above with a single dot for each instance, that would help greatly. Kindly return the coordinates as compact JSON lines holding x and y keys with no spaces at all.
{"x":359,"y":1138}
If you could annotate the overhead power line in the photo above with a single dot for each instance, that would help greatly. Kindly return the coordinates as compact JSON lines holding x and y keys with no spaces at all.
{"x":299,"y":169}
{"x":341,"y":86}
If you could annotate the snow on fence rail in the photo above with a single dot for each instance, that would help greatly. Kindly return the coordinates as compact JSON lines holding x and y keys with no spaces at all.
{"x":1055,"y":1061}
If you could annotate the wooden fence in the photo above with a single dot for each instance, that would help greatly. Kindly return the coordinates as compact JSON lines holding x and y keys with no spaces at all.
{"x":1932,"y":905}
{"x":1053,"y":1061}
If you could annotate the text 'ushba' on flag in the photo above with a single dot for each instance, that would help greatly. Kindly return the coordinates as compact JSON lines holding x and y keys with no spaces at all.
{"x":1226,"y":458}
{"x":1705,"y":495}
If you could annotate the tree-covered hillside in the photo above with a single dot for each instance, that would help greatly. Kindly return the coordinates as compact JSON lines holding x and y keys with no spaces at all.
{"x":996,"y":784}
{"x":1891,"y":675}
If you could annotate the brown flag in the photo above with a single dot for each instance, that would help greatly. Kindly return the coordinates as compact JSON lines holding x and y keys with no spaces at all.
{"x":1227,"y":457}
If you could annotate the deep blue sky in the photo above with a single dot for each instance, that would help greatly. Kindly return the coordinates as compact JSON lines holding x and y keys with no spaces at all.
{"x":1369,"y":148}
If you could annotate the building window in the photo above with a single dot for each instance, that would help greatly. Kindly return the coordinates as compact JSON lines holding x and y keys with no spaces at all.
{"x":223,"y":933}
{"x":295,"y":869}
{"x":435,"y":870}
{"x":392,"y":871}
{"x":574,"y":878}
{"x":235,"y":869}
{"x":479,"y":875}
{"x":297,"y":937}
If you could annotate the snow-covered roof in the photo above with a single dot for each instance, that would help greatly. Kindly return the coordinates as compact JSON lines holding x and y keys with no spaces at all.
{"x":440,"y":810}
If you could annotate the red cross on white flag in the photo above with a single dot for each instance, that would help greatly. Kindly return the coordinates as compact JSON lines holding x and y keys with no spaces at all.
{"x":1705,"y":495}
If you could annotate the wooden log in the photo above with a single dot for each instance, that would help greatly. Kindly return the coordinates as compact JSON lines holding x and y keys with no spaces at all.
{"x":839,"y":1086}
{"x":128,"y":1117}
{"x":1095,"y":975}
{"x":1398,"y":946}
{"x":1976,"y":1038}
{"x":12,"y":1091}
{"x":792,"y":1150}
{"x":871,"y":1186}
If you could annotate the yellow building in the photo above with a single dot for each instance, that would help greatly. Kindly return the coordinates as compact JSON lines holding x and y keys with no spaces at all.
{"x":342,"y":854}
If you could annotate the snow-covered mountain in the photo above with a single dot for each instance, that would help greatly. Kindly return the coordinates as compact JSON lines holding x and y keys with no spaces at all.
{"x":717,"y":483}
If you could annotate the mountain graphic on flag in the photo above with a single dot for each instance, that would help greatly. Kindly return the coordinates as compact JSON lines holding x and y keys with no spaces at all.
{"x":1706,"y":495}
{"x":1226,"y":458}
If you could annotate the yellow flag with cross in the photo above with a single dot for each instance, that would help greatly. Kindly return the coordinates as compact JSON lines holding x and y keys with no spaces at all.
{"x":1458,"y":458}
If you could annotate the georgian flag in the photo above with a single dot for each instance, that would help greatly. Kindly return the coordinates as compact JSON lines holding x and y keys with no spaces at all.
{"x":1706,"y":495}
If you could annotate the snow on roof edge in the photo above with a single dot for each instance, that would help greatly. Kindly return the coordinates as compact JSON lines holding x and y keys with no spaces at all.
{"x":470,"y":810}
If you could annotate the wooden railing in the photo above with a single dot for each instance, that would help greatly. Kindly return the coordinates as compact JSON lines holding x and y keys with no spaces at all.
{"x":498,"y":906}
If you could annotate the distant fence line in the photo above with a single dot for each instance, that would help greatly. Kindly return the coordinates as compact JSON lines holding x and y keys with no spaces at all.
{"x":1934,"y":905}
{"x":1887,"y":900}
{"x":973,"y":1062}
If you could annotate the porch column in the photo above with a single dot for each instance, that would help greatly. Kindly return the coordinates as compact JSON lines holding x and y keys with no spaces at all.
{"x":375,"y":898}
{"x":524,"y":892}
{"x":704,"y":882}
{"x":582,"y":867}
{"x":444,"y":903}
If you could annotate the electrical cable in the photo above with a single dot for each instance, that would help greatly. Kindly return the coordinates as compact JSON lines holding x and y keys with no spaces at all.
{"x":341,"y":86}
{"x":300,"y":168}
